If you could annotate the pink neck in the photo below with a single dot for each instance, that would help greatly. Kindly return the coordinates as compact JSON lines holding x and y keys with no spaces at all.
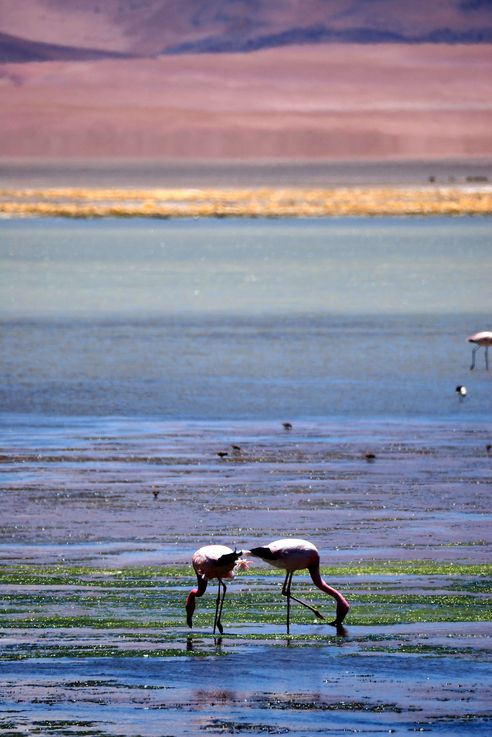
{"x":190,"y":599}
{"x":318,"y":581}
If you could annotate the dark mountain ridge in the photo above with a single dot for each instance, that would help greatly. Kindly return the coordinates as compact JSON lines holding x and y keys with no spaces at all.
{"x":38,"y":30}
{"x":322,"y":34}
{"x":21,"y":50}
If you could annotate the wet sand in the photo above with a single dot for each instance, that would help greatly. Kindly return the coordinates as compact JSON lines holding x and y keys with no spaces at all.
{"x":241,"y":173}
{"x":101,"y":517}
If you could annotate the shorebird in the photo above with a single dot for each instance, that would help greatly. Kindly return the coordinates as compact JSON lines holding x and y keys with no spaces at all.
{"x":480,"y":339}
{"x":294,"y":555}
{"x":287,"y":425}
{"x":461,"y":391}
{"x":209,"y":562}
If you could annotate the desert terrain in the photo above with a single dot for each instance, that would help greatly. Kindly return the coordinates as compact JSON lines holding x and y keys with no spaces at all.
{"x":313,"y":102}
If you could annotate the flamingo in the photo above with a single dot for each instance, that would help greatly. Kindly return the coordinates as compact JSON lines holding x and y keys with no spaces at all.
{"x":484,"y":338}
{"x":209,"y":562}
{"x":294,"y":555}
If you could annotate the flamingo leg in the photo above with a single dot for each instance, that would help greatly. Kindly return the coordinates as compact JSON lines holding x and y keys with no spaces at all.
{"x":487,"y":357}
{"x":286,"y":592}
{"x":474,"y":350}
{"x":308,"y":606}
{"x":284,"y":587}
{"x":219,"y":623}
{"x":219,"y":603}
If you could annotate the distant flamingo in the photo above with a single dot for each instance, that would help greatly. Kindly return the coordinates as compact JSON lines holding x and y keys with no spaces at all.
{"x":293,"y":555}
{"x":212,"y":561}
{"x":480,"y":339}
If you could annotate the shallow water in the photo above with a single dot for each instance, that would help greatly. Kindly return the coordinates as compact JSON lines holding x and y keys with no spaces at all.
{"x":103,"y":649}
{"x":327,"y":689}
{"x":90,"y":482}
{"x":245,"y":319}
{"x":111,"y":477}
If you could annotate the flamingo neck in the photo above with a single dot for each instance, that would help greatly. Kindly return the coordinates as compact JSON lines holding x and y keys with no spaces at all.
{"x":190,"y":599}
{"x":323,"y":586}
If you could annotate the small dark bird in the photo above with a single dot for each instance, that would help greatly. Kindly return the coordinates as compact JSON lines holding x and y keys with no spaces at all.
{"x":488,"y":447}
{"x":461,"y":391}
{"x":156,"y":493}
{"x":370,"y":456}
{"x":287,"y":425}
{"x":236,"y":448}
{"x":222,"y":453}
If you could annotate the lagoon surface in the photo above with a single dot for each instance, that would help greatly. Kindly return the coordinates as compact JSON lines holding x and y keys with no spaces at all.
{"x":244,"y":319}
{"x":131,"y":354}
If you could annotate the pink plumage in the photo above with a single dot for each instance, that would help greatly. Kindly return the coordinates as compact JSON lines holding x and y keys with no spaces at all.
{"x":484,"y":339}
{"x":209,"y":562}
{"x":291,"y":554}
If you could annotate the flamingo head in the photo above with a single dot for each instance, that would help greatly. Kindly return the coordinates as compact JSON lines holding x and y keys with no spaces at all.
{"x":241,"y":563}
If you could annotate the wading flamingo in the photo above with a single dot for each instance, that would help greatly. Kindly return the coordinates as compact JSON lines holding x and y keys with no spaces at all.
{"x":212,"y":561}
{"x":293,"y":555}
{"x":484,"y":338}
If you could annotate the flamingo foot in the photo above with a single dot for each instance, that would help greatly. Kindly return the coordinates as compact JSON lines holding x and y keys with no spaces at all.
{"x":341,"y":630}
{"x":220,"y":628}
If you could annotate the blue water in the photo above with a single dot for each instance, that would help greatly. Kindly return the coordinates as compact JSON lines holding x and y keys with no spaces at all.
{"x":132,"y":351}
{"x":244,"y":318}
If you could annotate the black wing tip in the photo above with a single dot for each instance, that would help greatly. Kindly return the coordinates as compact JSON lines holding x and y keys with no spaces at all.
{"x":229,"y":558}
{"x":263,"y":552}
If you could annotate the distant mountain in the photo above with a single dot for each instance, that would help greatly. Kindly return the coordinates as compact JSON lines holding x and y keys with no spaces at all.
{"x":35,"y":30}
{"x":321,"y":34}
{"x":13,"y":49}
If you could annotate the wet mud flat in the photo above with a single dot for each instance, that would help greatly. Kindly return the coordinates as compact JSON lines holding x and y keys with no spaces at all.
{"x":101,"y":517}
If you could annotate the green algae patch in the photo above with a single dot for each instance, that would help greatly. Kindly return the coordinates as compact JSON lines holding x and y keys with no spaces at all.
{"x":377,"y":610}
{"x":436,"y":651}
{"x":315,"y":705}
{"x":58,"y":575}
{"x":101,"y":651}
{"x":142,"y":599}
{"x":408,"y":568}
{"x":82,"y":622}
{"x":478,"y":587}
{"x":155,"y":576}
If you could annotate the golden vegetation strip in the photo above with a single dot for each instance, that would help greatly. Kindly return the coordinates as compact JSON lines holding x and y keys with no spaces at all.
{"x":271,"y":202}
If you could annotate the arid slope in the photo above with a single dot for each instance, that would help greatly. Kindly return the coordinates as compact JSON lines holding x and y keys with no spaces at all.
{"x":306,"y":102}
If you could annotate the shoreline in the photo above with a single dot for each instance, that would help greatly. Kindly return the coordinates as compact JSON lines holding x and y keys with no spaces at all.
{"x":251,"y":202}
